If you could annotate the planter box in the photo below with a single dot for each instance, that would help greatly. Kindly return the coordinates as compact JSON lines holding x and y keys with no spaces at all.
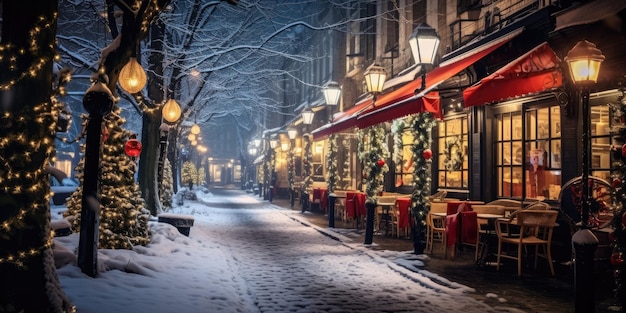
{"x":182,"y":222}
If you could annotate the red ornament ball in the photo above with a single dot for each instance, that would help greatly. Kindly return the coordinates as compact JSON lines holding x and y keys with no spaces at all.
{"x":132,"y":148}
{"x":427,"y":154}
{"x":617,"y":258}
{"x":617,"y":183}
{"x":380,"y":162}
{"x":624,"y":150}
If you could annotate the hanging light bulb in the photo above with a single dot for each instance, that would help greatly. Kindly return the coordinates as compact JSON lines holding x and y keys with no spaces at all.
{"x":132,"y":76}
{"x":191,"y":137}
{"x":195,"y":129}
{"x":171,"y":111}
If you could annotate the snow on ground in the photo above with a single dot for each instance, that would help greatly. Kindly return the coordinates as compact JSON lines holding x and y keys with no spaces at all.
{"x":182,"y":274}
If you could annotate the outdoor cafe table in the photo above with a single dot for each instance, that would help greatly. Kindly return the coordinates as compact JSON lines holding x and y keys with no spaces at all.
{"x":487,"y":237}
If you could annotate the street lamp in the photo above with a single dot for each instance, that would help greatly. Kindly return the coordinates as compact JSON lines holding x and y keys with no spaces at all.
{"x":584,"y":64}
{"x":424,"y":43}
{"x":132,"y":76}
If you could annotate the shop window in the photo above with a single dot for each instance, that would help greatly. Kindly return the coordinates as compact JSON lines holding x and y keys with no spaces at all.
{"x":316,"y":162}
{"x":528,"y":153}
{"x":453,"y":163}
{"x":404,"y":171}
{"x":600,"y":142}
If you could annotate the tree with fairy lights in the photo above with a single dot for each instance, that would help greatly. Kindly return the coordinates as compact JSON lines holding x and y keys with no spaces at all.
{"x":123,"y":218}
{"x":166,"y":190}
{"x":189,"y":174}
{"x":29,"y":113}
{"x":421,"y":125}
{"x":331,"y":164}
{"x":618,"y":255}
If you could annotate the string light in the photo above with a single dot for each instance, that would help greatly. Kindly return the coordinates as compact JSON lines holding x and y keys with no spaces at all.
{"x":41,"y":118}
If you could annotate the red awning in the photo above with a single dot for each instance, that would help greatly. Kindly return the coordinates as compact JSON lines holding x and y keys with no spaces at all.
{"x":343,"y":121}
{"x":403,"y":101}
{"x":533,"y":72}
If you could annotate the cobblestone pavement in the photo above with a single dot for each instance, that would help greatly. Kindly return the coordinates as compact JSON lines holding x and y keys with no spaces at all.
{"x":536,"y":291}
{"x":288,"y":267}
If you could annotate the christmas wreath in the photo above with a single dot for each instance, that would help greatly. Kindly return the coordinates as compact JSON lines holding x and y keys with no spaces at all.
{"x":453,"y":154}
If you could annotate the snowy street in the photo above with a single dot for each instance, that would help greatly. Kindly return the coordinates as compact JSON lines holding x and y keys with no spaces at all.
{"x":249,"y":256}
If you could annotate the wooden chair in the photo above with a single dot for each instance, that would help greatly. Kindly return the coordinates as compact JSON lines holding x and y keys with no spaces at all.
{"x":436,"y":227}
{"x":536,"y":227}
{"x":400,"y":218}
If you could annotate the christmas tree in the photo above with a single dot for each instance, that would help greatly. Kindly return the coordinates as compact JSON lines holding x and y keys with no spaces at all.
{"x":123,"y":219}
{"x":189,"y":174}
{"x":166,"y":190}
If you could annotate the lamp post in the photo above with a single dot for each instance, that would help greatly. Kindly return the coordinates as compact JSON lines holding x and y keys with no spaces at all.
{"x":98,"y":101}
{"x":307,"y":119}
{"x":584,"y":61}
{"x":332,"y":94}
{"x":375,"y":77}
{"x":424,"y":43}
{"x":291,"y":133}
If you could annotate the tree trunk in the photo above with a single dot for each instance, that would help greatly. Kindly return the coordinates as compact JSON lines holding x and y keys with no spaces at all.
{"x":172,"y":155}
{"x":29,"y":282}
{"x":148,"y":161}
{"x":148,"y":164}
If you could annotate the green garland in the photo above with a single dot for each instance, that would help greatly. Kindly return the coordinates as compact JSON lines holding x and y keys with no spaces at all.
{"x":331,"y":164}
{"x":291,"y":166}
{"x":373,"y":160}
{"x":453,"y":154}
{"x":421,"y":126}
{"x":308,"y":156}
{"x":618,"y":169}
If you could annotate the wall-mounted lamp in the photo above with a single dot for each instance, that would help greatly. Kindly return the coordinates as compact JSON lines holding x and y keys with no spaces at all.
{"x":307,"y":116}
{"x":273,"y":143}
{"x":332,"y":92}
{"x":292,"y":133}
{"x":375,"y":77}
{"x":424,"y":43}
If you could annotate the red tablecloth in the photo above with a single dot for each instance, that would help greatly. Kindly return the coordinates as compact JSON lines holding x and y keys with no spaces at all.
{"x":324,"y":200}
{"x":452,"y":220}
{"x":469,"y":227}
{"x":360,"y":204}
{"x":317,"y":194}
{"x":403,"y":212}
